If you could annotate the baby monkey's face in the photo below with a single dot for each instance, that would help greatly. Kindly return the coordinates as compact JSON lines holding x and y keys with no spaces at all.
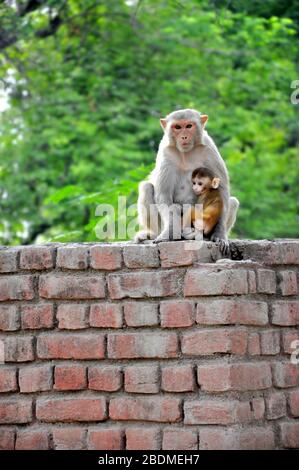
{"x":201,"y":185}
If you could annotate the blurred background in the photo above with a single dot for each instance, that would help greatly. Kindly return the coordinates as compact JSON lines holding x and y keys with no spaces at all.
{"x":83,"y":84}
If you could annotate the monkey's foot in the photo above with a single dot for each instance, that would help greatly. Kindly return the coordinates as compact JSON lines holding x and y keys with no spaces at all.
{"x":223,"y":245}
{"x":163,"y":237}
{"x":160,"y":239}
{"x":142,"y":236}
{"x":188,"y":233}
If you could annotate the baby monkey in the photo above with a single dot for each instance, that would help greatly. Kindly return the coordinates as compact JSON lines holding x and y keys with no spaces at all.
{"x":204,"y":218}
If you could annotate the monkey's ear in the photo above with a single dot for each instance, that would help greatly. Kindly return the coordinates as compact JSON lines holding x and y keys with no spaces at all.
{"x":215,"y":183}
{"x":204,"y":119}
{"x":163,"y":123}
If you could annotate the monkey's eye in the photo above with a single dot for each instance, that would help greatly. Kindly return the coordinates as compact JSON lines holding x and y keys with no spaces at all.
{"x":188,"y":126}
{"x":177,"y":126}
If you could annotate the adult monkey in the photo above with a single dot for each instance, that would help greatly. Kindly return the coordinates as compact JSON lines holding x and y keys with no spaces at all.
{"x":185,"y":146}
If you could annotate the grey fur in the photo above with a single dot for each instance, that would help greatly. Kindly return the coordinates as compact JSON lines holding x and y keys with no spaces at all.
{"x":170,"y":184}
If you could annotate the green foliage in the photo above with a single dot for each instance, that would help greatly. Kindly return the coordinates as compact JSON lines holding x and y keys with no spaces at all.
{"x":84,"y":101}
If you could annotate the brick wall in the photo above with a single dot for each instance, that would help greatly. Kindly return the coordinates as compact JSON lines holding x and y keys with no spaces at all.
{"x":149,"y":347}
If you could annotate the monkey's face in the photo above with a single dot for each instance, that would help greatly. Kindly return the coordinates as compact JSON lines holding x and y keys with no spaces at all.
{"x":184,"y":134}
{"x":201,"y":185}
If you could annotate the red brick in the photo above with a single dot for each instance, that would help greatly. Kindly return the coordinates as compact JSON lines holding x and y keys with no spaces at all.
{"x":160,"y":409}
{"x":142,"y":345}
{"x":106,"y":315}
{"x":254,"y":346}
{"x":176,"y":313}
{"x":52,"y":286}
{"x":180,"y":439}
{"x":276,"y":405}
{"x":72,"y":316}
{"x":32,"y":440}
{"x":37,"y":378}
{"x":8,"y":379}
{"x":266,"y":281}
{"x":37,"y":316}
{"x":214,"y":377}
{"x":70,"y":438}
{"x":142,"y":438}
{"x":256,"y":438}
{"x":15,"y":411}
{"x":294,"y":403}
{"x":105,"y":439}
{"x":70,"y":346}
{"x":16,"y":288}
{"x":226,"y":312}
{"x":105,"y":378}
{"x":106,"y":257}
{"x":261,"y":438}
{"x":270,"y":342}
{"x":70,"y":377}
{"x":216,"y":412}
{"x":174,"y":254}
{"x":213,"y":281}
{"x":244,"y":377}
{"x":8,"y":260}
{"x":288,"y":283}
{"x":258,"y":407}
{"x":178,"y":378}
{"x":285,"y":374}
{"x":252,"y":288}
{"x":72,"y":257}
{"x":273,"y":253}
{"x":285,"y":313}
{"x":19,"y":349}
{"x":288,"y":338}
{"x":290,"y":435}
{"x":251,"y":376}
{"x":143,"y":284}
{"x":7,"y":439}
{"x":9,"y":318}
{"x":37,"y":257}
{"x":206,"y":342}
{"x":141,"y":256}
{"x":142,"y":379}
{"x":141,"y":314}
{"x":66,"y":409}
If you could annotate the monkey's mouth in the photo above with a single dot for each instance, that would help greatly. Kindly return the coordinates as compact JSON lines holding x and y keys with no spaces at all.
{"x":184,"y":146}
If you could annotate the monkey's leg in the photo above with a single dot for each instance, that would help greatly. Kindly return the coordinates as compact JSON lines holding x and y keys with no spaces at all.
{"x":188,"y":232}
{"x":220,"y":233}
{"x":148,"y":215}
{"x":232,"y":213}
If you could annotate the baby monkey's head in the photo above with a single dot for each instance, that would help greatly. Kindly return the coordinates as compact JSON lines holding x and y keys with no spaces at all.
{"x":203,"y":180}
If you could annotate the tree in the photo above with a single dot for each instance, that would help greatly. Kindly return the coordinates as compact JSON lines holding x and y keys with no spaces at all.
{"x":84,"y":101}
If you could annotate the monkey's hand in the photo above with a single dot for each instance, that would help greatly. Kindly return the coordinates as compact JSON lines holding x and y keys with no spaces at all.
{"x":163,"y":237}
{"x":171,"y":217}
{"x":223,"y":244}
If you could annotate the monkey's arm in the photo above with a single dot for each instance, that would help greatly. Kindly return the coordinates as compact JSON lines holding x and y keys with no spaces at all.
{"x":188,"y":218}
{"x":217,"y":165}
{"x":211,"y":216}
{"x":170,"y":213}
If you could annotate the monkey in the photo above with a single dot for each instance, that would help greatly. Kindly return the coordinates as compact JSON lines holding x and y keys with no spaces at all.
{"x":185,"y":145}
{"x":205,"y":186}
